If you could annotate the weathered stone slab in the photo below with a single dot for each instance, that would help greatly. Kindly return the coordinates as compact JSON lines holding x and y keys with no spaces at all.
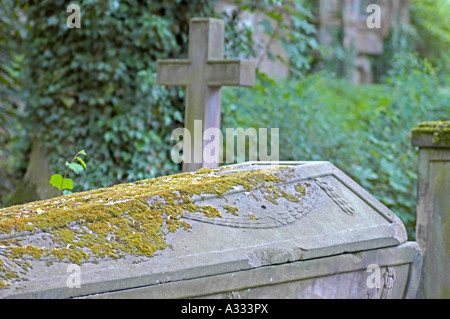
{"x":337,"y":277}
{"x":250,"y":230}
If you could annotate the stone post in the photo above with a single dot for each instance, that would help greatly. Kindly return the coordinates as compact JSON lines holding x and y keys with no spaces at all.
{"x":433,"y":207}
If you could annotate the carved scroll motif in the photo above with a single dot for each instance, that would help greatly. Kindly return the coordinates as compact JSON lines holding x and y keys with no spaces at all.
{"x":341,"y":202}
{"x":282,"y":215}
{"x":276,"y":218}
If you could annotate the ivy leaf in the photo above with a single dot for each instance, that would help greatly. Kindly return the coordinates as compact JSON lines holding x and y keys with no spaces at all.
{"x":82,"y":152}
{"x":61,"y":183}
{"x":77,"y":168}
{"x":384,"y":101}
{"x":68,"y":101}
{"x":267,"y":26}
{"x":81,"y":161}
{"x":52,"y":20}
{"x":56,"y":180}
{"x":67,"y":184}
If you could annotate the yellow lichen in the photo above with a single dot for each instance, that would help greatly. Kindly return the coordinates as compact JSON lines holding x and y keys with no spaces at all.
{"x":3,"y":284}
{"x":299,"y":188}
{"x":124,"y":219}
{"x":231,"y":209}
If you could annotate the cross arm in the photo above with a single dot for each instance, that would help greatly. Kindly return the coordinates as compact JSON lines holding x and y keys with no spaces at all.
{"x":172,"y":72}
{"x":230,"y":73}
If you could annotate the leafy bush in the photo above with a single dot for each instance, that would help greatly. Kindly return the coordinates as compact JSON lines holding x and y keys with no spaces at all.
{"x":401,"y":40}
{"x":9,"y":76}
{"x":363,"y":130}
{"x":95,"y":87}
{"x":289,"y":22}
{"x":430,"y":19}
{"x":337,"y":59}
{"x":12,"y":32}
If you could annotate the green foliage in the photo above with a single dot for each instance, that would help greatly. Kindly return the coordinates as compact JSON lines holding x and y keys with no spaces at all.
{"x":335,"y":58}
{"x":12,"y":33}
{"x":430,"y":19}
{"x":364,"y":130}
{"x":96,"y":85}
{"x":10,"y":65}
{"x":400,"y":41}
{"x":63,"y":183}
{"x":428,"y":34}
{"x":289,"y":22}
{"x":60,"y":182}
{"x":239,"y":36}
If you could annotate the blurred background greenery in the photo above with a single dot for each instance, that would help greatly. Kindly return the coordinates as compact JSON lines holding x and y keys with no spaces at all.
{"x":94,"y":88}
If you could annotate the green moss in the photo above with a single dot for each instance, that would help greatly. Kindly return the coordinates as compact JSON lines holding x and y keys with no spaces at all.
{"x":9,"y":275}
{"x":231,"y":209}
{"x":131,"y":218}
{"x":29,"y":250}
{"x":209,"y":211}
{"x":273,"y":193}
{"x":299,"y":188}
{"x":3,"y":284}
{"x":439,"y":130}
{"x":445,"y":294}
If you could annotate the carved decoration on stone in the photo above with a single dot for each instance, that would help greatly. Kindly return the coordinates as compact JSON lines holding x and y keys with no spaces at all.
{"x":282,"y":216}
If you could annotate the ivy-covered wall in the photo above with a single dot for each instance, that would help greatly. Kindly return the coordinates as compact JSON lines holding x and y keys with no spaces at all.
{"x":93,"y":87}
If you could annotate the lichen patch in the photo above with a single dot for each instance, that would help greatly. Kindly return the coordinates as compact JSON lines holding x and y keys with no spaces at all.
{"x":132,"y":218}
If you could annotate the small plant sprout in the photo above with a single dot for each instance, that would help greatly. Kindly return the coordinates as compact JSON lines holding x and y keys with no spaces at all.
{"x":66,"y":184}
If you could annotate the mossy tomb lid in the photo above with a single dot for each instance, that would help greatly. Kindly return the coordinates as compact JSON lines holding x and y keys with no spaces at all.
{"x":186,"y":226}
{"x":431,"y":134}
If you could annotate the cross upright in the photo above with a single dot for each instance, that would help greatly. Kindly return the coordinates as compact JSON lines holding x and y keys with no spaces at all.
{"x":203,"y":74}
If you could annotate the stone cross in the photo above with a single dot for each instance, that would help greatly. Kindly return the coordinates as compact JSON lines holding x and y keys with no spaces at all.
{"x":203,"y":74}
{"x":433,"y":207}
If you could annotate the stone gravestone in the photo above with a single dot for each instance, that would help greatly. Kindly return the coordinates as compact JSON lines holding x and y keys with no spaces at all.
{"x":433,"y":206}
{"x":203,"y":74}
{"x":252,"y":230}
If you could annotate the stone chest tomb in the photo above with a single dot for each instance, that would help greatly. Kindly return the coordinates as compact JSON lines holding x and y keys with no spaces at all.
{"x":252,"y":230}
